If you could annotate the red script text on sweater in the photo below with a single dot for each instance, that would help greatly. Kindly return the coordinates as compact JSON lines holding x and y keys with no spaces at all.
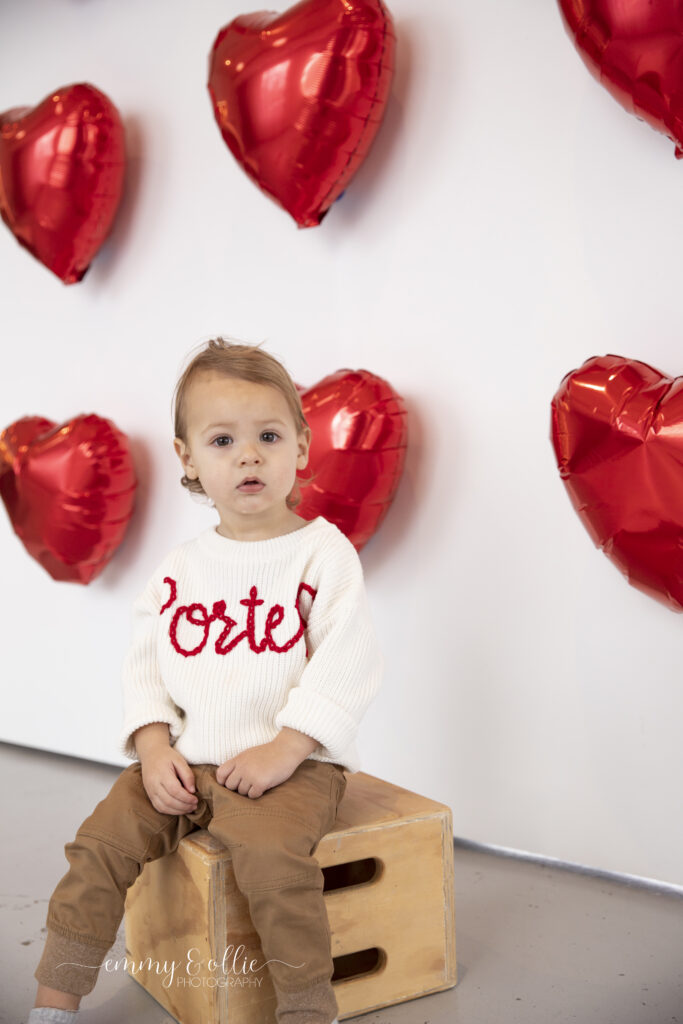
{"x":198,"y":615}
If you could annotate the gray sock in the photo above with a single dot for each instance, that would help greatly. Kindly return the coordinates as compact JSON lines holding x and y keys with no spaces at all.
{"x":51,"y":1015}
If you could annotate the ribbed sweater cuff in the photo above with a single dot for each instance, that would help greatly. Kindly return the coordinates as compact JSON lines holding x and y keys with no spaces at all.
{"x":315,"y":715}
{"x":145,"y":716}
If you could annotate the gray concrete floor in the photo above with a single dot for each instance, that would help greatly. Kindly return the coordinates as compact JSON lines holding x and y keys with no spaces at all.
{"x":535,"y":944}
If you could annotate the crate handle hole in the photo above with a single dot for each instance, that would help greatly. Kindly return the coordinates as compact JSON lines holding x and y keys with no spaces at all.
{"x":363,"y":961}
{"x":354,"y":872}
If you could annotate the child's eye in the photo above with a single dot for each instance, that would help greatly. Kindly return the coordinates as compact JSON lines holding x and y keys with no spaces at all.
{"x":221,"y":437}
{"x":270,"y":432}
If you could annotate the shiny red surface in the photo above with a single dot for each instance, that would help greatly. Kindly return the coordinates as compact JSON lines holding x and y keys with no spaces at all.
{"x":61,"y":176}
{"x":69,"y":491}
{"x":617,"y":431}
{"x":360,"y":434}
{"x":635,"y":49}
{"x":299,"y":96}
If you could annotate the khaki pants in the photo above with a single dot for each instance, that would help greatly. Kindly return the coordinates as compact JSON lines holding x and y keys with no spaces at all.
{"x":271,"y":839}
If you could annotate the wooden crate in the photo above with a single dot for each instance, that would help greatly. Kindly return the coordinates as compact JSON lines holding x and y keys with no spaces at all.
{"x":388,"y":866}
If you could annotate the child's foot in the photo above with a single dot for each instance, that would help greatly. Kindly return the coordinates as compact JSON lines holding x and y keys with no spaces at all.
{"x":51,"y":1015}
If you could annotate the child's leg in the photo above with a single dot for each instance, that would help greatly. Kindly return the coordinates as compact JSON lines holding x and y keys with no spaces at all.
{"x":85,"y":910}
{"x":53,"y":997}
{"x":272,"y":840}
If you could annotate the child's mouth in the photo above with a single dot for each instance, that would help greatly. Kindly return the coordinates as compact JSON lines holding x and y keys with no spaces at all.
{"x":250,"y":486}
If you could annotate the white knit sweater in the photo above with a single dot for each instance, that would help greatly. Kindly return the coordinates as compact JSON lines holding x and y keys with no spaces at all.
{"x":232,"y":640}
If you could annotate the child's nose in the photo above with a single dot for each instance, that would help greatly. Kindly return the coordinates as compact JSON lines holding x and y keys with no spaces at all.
{"x":249,"y":453}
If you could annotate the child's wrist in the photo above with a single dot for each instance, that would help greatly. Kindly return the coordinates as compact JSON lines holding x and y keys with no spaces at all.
{"x":151,"y":737}
{"x":296,"y":743}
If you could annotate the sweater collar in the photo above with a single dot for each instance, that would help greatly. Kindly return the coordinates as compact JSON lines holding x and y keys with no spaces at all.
{"x":260,"y":550}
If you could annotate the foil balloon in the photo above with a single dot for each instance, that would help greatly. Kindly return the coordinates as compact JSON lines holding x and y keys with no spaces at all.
{"x":635,"y":50}
{"x":357,"y":452}
{"x":61,"y":177}
{"x":68,"y":490}
{"x":299,"y":96}
{"x":617,"y":431}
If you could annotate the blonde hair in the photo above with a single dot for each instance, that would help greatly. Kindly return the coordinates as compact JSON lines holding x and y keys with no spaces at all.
{"x":245,"y":362}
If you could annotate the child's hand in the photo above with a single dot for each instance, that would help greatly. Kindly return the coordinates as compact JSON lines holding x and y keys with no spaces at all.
{"x":168,"y":781}
{"x":257,"y":769}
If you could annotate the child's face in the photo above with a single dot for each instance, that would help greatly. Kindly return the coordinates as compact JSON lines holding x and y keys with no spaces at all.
{"x":238,"y":429}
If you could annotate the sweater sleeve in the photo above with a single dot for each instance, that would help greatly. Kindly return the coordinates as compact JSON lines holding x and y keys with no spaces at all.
{"x":345,"y":665}
{"x":145,"y":698}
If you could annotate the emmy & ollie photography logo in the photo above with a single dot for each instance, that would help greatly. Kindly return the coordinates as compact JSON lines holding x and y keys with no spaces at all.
{"x":191,"y":972}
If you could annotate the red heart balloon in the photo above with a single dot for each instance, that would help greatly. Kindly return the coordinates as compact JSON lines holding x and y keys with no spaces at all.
{"x":69,"y":491}
{"x":617,"y":431}
{"x":299,"y":96}
{"x":635,"y":50}
{"x":61,"y":176}
{"x":359,"y":427}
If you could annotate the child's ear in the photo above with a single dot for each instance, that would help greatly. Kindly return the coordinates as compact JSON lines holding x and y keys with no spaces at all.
{"x":183,"y":453}
{"x":304,"y":443}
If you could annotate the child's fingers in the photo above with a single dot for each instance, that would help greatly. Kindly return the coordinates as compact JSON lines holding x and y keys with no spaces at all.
{"x":223,"y":771}
{"x":177,"y":796}
{"x":186,"y":776}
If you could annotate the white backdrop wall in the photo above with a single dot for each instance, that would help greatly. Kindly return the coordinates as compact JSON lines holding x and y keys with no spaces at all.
{"x":510,"y":221}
